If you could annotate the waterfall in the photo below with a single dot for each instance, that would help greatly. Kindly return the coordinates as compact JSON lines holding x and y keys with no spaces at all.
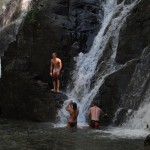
{"x":12,"y":13}
{"x":89,"y":64}
{"x":141,"y":118}
{"x":139,"y":96}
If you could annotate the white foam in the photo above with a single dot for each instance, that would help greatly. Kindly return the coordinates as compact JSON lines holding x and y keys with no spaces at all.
{"x":80,"y":125}
{"x":124,"y":133}
{"x":112,"y":132}
{"x":141,"y":117}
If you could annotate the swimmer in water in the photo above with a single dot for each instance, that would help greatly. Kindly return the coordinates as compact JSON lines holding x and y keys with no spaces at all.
{"x":94,"y":115}
{"x":73,"y":112}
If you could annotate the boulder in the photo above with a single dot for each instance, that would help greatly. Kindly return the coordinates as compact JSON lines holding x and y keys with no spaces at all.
{"x":113,"y":87}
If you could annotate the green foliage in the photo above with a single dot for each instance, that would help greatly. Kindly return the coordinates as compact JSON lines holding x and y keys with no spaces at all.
{"x":32,"y":17}
{"x":9,"y":67}
{"x":147,"y":141}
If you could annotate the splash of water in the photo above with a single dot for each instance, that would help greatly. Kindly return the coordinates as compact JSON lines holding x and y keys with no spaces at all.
{"x":140,"y":118}
{"x":87,"y":64}
{"x":124,"y":133}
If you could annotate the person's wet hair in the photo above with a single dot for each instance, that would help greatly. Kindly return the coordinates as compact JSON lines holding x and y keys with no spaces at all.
{"x":100,"y":105}
{"x":54,"y":54}
{"x":74,"y":105}
{"x":95,"y":103}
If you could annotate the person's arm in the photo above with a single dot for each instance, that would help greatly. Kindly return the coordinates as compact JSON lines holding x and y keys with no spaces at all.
{"x":102,"y":112}
{"x":89,"y":113}
{"x":51,"y":68}
{"x":60,"y":64}
{"x":68,"y":106}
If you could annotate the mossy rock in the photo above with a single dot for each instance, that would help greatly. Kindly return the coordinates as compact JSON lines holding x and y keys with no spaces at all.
{"x":9,"y":67}
{"x":32,"y":17}
{"x":147,"y":141}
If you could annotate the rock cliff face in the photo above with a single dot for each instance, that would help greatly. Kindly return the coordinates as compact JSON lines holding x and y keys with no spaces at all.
{"x":134,"y":36}
{"x":65,"y":27}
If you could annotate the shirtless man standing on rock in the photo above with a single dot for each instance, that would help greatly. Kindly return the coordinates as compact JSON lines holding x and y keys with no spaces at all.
{"x":94,"y":115}
{"x":55,"y":68}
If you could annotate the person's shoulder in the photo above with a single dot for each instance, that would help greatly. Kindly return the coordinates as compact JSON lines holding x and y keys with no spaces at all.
{"x":58,"y":59}
{"x":99,"y":108}
{"x":91,"y":108}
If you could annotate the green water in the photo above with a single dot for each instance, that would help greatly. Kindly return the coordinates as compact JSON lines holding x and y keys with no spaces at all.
{"x":15,"y":135}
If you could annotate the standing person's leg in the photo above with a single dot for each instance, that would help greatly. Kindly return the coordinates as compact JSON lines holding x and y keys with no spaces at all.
{"x":54,"y":82}
{"x":58,"y":82}
{"x":96,"y":124}
{"x":92,"y":124}
{"x":58,"y":85}
{"x":54,"y":86}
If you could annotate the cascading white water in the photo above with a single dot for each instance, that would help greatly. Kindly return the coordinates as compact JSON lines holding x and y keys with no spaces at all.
{"x":141,"y":117}
{"x":12,"y":13}
{"x":86,"y":64}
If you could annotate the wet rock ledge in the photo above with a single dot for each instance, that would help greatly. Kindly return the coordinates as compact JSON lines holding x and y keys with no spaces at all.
{"x":24,"y":99}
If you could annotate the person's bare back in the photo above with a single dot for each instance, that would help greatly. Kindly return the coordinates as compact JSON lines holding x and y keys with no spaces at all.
{"x":95,"y":113}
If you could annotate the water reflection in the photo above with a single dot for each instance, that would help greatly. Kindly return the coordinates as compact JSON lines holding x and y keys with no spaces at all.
{"x":42,"y":136}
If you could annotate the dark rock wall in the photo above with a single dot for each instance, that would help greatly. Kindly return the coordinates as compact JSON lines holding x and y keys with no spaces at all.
{"x":134,"y":36}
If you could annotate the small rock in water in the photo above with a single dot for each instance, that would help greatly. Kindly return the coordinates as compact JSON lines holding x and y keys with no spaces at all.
{"x":147,"y":141}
